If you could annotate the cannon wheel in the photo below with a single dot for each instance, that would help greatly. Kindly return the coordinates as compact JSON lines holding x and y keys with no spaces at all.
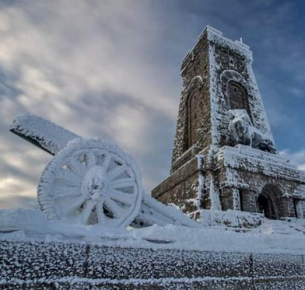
{"x":91,"y":182}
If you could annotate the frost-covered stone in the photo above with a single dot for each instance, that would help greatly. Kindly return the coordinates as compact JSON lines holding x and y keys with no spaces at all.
{"x":222,"y":118}
{"x":242,"y":132}
{"x":212,"y":259}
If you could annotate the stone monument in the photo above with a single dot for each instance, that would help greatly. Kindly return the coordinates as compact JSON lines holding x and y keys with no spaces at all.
{"x":224,"y":155}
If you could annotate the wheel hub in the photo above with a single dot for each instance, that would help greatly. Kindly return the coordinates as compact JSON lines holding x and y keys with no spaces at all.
{"x":94,"y":185}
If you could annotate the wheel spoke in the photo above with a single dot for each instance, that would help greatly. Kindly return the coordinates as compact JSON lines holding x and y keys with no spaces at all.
{"x":87,"y":210}
{"x":115,"y":172}
{"x":106,"y":161}
{"x":100,"y":213}
{"x":65,"y":192}
{"x":69,"y":178}
{"x":125,"y":198}
{"x":75,"y":166}
{"x":75,"y":206}
{"x":127,"y":179}
{"x":90,"y":159}
{"x":113,"y":207}
{"x":127,"y":182}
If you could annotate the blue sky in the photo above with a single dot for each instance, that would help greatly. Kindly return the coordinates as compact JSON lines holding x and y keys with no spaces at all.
{"x":111,"y":69}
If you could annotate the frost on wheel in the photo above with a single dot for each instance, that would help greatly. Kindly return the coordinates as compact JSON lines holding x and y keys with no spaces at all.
{"x":91,"y":182}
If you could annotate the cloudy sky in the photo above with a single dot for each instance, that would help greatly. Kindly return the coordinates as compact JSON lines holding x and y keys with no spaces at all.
{"x":110,"y":68}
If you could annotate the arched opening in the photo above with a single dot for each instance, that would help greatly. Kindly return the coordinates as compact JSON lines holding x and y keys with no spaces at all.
{"x":194,"y":118}
{"x":269,"y":202}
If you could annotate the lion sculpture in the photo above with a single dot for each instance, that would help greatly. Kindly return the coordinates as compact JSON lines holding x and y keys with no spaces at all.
{"x":243,"y":132}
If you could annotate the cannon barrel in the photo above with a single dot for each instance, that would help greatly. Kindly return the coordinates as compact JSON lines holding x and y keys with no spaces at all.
{"x":42,"y":133}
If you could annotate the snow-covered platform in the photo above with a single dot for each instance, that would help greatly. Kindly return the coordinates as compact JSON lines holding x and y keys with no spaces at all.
{"x":158,"y":257}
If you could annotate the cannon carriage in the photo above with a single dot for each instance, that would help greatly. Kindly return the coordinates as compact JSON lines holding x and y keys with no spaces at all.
{"x":91,"y":181}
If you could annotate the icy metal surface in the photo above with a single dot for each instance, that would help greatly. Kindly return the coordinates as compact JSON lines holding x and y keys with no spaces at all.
{"x":42,"y":133}
{"x":53,"y":139}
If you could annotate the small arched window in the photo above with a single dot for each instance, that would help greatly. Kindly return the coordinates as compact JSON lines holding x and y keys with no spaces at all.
{"x":238,"y":97}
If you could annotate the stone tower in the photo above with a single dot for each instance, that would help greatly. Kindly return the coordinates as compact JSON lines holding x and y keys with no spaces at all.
{"x":224,"y":156}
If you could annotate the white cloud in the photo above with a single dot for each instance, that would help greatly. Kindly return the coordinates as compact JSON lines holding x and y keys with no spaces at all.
{"x":60,"y":58}
{"x":297,"y":158}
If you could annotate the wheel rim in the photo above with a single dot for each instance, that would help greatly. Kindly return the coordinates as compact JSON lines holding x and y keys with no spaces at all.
{"x":91,"y":182}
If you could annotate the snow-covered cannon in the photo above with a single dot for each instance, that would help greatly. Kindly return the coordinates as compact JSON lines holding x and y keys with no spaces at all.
{"x":91,"y":181}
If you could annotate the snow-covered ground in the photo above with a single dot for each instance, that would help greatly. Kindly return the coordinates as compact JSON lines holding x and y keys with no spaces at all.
{"x":270,"y":237}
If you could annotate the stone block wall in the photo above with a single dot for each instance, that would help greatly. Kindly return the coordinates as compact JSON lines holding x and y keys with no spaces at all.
{"x":180,"y":188}
{"x":194,"y":100}
{"x":254,"y":173}
{"x":41,"y":265}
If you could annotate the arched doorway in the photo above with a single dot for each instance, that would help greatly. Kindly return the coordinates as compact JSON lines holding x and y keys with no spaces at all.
{"x":265,"y":206}
{"x":269,"y":202}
